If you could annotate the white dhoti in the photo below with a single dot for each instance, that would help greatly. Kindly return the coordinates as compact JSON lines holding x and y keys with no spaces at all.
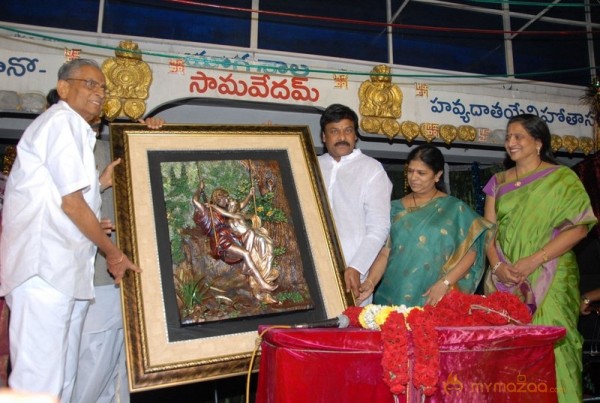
{"x":102,"y":373}
{"x":44,"y":332}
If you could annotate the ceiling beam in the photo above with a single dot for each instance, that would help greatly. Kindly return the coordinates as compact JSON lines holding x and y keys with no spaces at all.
{"x":535,"y":18}
{"x":483,"y":10}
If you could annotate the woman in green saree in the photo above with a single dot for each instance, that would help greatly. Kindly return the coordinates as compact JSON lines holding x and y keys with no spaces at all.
{"x":436,"y":241}
{"x":541,"y":210}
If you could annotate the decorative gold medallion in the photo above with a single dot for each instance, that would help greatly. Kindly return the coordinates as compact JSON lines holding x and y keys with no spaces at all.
{"x":128,"y":80}
{"x":555,"y":142}
{"x":586,"y":144}
{"x":448,"y":133}
{"x":380,"y":103}
{"x":570,"y":143}
{"x":370,"y":125}
{"x":390,"y":128}
{"x":409,"y":130}
{"x":429,"y":131}
{"x":467,"y":133}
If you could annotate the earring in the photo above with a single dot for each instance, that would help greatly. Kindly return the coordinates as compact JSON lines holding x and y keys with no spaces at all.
{"x":538,"y":151}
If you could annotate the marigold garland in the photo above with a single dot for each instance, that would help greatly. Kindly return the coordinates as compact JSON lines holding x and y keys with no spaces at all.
{"x":411,"y":331}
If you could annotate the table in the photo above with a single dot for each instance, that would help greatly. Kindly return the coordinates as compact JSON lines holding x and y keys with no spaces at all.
{"x":477,"y":364}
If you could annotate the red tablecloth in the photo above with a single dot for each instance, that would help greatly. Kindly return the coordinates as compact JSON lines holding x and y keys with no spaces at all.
{"x":477,"y":364}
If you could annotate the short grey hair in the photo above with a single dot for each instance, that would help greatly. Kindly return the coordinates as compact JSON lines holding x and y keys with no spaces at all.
{"x":67,"y":69}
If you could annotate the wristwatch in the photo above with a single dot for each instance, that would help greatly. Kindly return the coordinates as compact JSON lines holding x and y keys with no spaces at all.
{"x":446,"y":283}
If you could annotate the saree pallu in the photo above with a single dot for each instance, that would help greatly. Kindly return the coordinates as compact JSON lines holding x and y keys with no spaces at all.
{"x":426,"y":242}
{"x":528,"y":216}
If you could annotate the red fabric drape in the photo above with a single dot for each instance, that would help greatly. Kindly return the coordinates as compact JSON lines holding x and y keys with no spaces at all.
{"x":477,"y":364}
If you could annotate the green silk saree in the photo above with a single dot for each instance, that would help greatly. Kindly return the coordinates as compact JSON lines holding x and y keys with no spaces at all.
{"x":426,"y":242}
{"x":547,"y":201}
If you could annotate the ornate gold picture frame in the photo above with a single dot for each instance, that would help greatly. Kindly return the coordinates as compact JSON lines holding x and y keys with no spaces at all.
{"x":165,"y":184}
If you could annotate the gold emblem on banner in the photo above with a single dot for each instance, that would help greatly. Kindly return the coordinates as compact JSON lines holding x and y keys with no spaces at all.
{"x":390,"y":127}
{"x":128,"y":80}
{"x":586,"y":144}
{"x":570,"y":143}
{"x":555,"y":142}
{"x":409,"y":130}
{"x":380,"y":103}
{"x":448,"y":133}
{"x":370,"y":125}
{"x":467,"y":133}
{"x":429,"y":131}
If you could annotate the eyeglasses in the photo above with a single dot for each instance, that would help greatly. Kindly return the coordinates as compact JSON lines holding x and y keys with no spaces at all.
{"x":89,"y":84}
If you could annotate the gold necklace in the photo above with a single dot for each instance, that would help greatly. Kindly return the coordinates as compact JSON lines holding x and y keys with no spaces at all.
{"x":518,"y":183}
{"x":415,"y":201}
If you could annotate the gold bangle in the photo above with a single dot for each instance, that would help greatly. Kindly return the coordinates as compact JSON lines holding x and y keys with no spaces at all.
{"x":117,"y":262}
{"x":446,"y":282}
{"x":544,"y":255}
{"x":369,"y":280}
{"x":496,"y":266}
{"x":585,"y":300}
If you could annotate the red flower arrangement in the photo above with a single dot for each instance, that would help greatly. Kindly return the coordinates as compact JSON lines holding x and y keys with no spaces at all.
{"x":412,"y":332}
{"x":395,"y":344}
{"x":427,"y":352}
{"x":498,"y":308}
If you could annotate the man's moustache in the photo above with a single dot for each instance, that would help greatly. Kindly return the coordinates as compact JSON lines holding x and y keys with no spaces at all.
{"x":342,"y":143}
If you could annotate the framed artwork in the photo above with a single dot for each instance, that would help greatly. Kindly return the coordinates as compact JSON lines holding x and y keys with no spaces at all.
{"x":232,"y":229}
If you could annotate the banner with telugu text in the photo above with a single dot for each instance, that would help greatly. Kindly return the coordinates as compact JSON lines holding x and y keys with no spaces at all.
{"x":30,"y":64}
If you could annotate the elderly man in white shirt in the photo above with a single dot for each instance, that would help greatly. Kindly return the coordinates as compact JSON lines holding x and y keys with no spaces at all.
{"x":50,"y":235}
{"x":359,"y":192}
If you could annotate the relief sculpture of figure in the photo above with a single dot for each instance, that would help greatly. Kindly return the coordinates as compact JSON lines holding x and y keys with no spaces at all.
{"x":256,"y":240}
{"x":227,"y":244}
